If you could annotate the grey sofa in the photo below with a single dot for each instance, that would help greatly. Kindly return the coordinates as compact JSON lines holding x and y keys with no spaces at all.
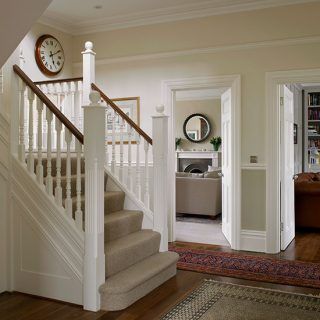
{"x":199,"y":193}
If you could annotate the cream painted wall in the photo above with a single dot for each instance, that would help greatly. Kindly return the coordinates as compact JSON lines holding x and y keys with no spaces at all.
{"x":210,"y":108}
{"x":144,"y":77}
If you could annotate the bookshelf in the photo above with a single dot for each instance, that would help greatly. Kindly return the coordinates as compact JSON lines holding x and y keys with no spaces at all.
{"x":312,"y":128}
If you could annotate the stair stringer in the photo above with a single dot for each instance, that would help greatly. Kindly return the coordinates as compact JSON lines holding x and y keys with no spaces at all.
{"x":48,"y":248}
{"x":131,"y":201}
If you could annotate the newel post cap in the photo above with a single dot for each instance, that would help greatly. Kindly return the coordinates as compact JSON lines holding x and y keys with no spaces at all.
{"x":95,"y":98}
{"x":160,"y":109}
{"x":88,"y":48}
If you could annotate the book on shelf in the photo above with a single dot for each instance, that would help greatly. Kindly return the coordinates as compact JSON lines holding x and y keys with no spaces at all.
{"x":314,"y":98}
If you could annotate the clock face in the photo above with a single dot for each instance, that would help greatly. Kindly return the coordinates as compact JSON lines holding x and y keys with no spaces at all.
{"x":49,"y":55}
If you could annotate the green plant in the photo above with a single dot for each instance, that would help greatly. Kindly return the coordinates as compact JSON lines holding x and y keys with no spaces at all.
{"x":216,"y":142}
{"x":178,"y":142}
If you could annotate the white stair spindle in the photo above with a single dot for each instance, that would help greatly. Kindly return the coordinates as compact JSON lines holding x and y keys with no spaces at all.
{"x":146,"y":175}
{"x":31,"y":97}
{"x":121,"y":122}
{"x":79,"y":104}
{"x":44,"y":89}
{"x":49,"y":152}
{"x":39,"y":142}
{"x":78,"y":213}
{"x":22,"y":147}
{"x":130,"y":180}
{"x":68,"y":201}
{"x":113,"y":149}
{"x":58,"y":188}
{"x":74,"y":107}
{"x":138,"y":171}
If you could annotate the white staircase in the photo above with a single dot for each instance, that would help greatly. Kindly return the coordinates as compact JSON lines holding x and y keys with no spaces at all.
{"x":101,"y":182}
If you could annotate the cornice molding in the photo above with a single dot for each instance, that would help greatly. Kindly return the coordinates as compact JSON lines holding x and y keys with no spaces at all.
{"x":177,"y":13}
{"x":209,"y":50}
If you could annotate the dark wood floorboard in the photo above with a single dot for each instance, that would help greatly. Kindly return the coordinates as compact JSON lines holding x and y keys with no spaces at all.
{"x":17,"y":306}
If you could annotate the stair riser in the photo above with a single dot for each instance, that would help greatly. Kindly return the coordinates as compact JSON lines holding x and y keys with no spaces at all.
{"x":120,"y":260}
{"x":121,"y":228}
{"x":115,"y":302}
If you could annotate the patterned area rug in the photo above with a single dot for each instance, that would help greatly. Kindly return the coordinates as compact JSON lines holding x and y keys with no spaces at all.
{"x":215,"y":300}
{"x":249,"y":267}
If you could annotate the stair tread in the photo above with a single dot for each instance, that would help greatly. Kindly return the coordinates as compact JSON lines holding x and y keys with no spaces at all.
{"x":119,"y":215}
{"x":130,"y":241}
{"x":138,"y":273}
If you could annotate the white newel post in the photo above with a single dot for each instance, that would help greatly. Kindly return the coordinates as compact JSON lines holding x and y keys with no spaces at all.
{"x":94,"y":153}
{"x":160,"y":175}
{"x":88,"y":57}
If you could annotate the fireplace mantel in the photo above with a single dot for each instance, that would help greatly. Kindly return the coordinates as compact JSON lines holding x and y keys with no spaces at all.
{"x":214,"y":156}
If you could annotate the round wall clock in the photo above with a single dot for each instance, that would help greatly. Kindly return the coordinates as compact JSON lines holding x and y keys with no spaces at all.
{"x":49,"y":55}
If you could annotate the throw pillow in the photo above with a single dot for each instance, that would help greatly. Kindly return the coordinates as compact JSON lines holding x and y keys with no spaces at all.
{"x":212,"y":175}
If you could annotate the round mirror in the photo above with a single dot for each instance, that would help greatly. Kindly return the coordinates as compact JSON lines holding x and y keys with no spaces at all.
{"x":196,"y":127}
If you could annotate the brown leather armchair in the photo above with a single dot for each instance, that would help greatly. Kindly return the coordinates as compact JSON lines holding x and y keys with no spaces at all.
{"x":307,"y":200}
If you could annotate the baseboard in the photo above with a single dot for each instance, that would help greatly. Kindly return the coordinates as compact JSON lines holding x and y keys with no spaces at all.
{"x":253,"y":240}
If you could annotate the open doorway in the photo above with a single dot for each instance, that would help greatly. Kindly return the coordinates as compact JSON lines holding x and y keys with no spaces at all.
{"x":230,"y":163}
{"x":198,"y":166}
{"x":299,"y":165}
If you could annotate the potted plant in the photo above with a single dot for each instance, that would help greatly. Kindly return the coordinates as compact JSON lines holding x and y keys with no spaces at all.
{"x":178,"y":143}
{"x":216,"y":142}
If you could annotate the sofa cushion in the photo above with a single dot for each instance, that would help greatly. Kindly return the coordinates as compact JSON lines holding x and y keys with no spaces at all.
{"x":212,"y":174}
{"x":197,"y":175}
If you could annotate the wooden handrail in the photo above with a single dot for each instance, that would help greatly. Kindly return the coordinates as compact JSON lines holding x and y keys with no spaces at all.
{"x":122,"y":114}
{"x":68,"y":124}
{"x":58,"y":81}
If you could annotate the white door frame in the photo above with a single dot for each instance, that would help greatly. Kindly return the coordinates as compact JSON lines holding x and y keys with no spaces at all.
{"x":169,"y":88}
{"x":273,"y":80}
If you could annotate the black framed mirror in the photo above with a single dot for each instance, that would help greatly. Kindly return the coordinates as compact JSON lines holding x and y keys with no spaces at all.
{"x":197,"y":128}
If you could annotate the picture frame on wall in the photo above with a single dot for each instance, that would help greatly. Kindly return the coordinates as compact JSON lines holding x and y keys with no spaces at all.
{"x":131,"y":107}
{"x":295,"y":133}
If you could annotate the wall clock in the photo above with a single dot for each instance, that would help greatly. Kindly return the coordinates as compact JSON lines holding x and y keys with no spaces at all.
{"x":49,"y":55}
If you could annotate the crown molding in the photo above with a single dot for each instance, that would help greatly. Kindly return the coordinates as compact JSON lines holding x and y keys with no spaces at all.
{"x":209,"y":50}
{"x":170,"y":14}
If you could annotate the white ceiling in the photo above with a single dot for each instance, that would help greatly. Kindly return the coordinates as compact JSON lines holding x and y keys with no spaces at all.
{"x":81,"y":16}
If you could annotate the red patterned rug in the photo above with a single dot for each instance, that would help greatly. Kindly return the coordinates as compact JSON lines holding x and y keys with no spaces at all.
{"x":250,"y":267}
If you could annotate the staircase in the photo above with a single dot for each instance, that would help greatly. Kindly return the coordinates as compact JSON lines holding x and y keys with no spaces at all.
{"x":117,"y":215}
{"x":134,"y":266}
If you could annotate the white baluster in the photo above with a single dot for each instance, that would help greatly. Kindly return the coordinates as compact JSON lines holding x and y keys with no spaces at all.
{"x":121,"y":122}
{"x":113,"y":149}
{"x":58,"y":92}
{"x":31,"y":97}
{"x":58,"y":188}
{"x":79,"y":104}
{"x":130,"y":180}
{"x":39,"y":141}
{"x":138,"y":171}
{"x":78,"y":213}
{"x":21,"y":151}
{"x":146,"y":175}
{"x":68,"y":203}
{"x":44,"y":89}
{"x":107,"y":142}
{"x":74,"y":108}
{"x":49,"y":152}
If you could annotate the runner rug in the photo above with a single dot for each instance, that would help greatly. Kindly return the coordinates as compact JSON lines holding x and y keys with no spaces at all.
{"x":216,"y":301}
{"x":250,"y":267}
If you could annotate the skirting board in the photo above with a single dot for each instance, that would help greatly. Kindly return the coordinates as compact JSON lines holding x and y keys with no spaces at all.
{"x":253,"y":240}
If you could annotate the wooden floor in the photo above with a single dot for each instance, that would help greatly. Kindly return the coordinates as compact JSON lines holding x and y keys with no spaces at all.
{"x":17,"y":306}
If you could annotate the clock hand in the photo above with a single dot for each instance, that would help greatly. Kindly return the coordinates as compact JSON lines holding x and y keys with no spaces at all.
{"x":52,"y":54}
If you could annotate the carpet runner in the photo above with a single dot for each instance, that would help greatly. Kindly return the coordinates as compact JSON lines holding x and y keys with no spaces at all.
{"x":250,"y":267}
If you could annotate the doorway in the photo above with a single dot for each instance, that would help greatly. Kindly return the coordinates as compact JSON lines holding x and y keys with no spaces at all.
{"x":281,"y":166}
{"x":231,"y":175}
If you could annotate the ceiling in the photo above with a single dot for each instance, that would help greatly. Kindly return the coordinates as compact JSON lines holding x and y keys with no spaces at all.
{"x":87,"y":16}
